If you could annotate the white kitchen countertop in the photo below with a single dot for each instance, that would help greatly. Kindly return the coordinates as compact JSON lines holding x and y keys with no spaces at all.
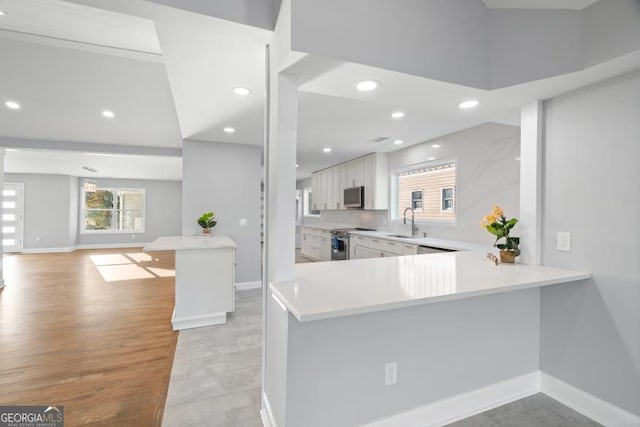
{"x":180,"y":243}
{"x":435,"y":242}
{"x":326,"y":290}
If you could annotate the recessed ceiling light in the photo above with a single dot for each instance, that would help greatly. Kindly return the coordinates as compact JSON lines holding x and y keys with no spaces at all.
{"x":2,"y":13}
{"x":398,"y":141}
{"x":326,"y":149}
{"x":108,"y":114}
{"x":469,"y":104}
{"x":296,"y":165}
{"x":229,"y":129}
{"x":242,"y":91}
{"x":435,"y":145}
{"x":518,"y":158}
{"x":13,"y":105}
{"x":367,"y":85}
{"x":431,"y":158}
{"x":397,"y":114}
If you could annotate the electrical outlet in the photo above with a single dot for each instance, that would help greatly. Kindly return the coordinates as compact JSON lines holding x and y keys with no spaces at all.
{"x":242,"y":222}
{"x":133,"y":237}
{"x":564,"y":241}
{"x":390,"y":373}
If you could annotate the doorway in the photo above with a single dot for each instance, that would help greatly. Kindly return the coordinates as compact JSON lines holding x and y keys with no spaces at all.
{"x":12,"y":217}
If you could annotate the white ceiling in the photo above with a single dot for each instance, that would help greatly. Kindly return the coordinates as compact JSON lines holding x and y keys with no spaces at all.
{"x":538,"y":4}
{"x":186,"y":91}
{"x":108,"y":165}
{"x":66,"y":21}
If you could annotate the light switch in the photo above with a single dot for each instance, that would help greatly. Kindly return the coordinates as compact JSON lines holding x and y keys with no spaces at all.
{"x":242,"y":222}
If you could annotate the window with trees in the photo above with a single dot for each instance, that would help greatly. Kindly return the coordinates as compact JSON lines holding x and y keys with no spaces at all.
{"x":113,"y":210}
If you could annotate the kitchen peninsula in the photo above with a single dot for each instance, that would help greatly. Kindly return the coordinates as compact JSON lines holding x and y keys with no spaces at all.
{"x":447,"y":325}
{"x":205,"y":278}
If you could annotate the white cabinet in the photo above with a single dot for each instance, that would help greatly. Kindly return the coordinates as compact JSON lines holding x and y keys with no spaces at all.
{"x":408,"y":249}
{"x":355,"y":172}
{"x":376,"y":181}
{"x":370,"y":171}
{"x":316,"y":243}
{"x":359,"y":252}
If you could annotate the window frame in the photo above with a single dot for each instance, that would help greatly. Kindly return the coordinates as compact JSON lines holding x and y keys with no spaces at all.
{"x":453,"y":198}
{"x":83,"y":210}
{"x":420,"y":209}
{"x":393,"y":192}
{"x":306,"y":209}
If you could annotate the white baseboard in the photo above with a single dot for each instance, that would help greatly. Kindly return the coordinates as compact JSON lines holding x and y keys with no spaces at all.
{"x":464,"y":405}
{"x":266,"y":414}
{"x":198,"y":321}
{"x":85,"y":246}
{"x":241,"y":286}
{"x":47,"y":250}
{"x":587,"y":404}
{"x":112,"y":245}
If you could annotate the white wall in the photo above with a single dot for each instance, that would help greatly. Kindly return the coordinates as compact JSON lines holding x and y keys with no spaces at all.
{"x":47,"y":210}
{"x":335,"y":371}
{"x":225,"y":179}
{"x":487,"y":173}
{"x":528,"y":45}
{"x":400,"y":35}
{"x":590,"y":334}
{"x":163,"y":212}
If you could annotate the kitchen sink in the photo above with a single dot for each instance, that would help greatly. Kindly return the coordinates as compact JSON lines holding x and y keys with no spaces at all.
{"x":403,"y":236}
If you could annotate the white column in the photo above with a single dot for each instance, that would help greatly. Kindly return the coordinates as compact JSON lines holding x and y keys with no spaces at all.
{"x":281,"y":178}
{"x":529,"y":226}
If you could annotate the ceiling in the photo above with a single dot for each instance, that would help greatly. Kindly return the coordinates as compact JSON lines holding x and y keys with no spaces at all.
{"x":108,"y":165}
{"x":538,"y":4}
{"x":169,"y":74}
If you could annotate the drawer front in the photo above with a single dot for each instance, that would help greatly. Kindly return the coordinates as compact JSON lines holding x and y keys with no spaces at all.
{"x":386,"y":246}
{"x":409,"y":249}
{"x":373,"y":253}
{"x":360,"y":241}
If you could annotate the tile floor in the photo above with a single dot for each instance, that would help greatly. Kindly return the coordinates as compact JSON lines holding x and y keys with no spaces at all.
{"x":538,"y":410}
{"x":215,"y":381}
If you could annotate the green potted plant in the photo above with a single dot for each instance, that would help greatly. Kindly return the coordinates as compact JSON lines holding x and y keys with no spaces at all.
{"x":207,"y":222}
{"x":498,"y":225}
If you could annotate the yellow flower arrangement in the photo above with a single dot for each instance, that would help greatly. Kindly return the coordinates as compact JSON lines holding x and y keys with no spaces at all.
{"x":498,"y":225}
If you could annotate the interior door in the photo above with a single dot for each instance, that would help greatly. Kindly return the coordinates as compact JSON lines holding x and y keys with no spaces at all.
{"x":12,"y":217}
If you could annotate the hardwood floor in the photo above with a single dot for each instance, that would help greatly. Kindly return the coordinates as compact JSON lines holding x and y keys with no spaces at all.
{"x":89,"y":330}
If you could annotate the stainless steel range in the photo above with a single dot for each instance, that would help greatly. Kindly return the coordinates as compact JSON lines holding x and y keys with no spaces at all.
{"x":340,"y":242}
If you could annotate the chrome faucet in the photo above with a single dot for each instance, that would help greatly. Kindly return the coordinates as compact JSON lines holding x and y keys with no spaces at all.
{"x":414,"y":229}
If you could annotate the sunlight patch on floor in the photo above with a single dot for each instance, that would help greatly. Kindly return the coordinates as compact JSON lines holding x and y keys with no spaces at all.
{"x":130,"y":266}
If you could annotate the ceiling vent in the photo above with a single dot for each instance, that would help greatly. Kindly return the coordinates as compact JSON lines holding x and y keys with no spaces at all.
{"x":90,"y":169}
{"x":379,"y":139}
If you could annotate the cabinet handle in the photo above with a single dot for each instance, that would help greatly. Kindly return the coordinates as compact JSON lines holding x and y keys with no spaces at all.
{"x":325,"y":206}
{"x":391,"y":243}
{"x":337,"y":205}
{"x":315,"y":208}
{"x":381,"y":254}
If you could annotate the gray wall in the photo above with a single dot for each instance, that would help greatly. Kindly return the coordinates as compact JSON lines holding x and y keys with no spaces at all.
{"x":336,"y":367}
{"x":487,"y":173}
{"x":225,"y":178}
{"x":163,"y":211}
{"x":47,"y":210}
{"x":590,"y":334}
{"x":52,"y":207}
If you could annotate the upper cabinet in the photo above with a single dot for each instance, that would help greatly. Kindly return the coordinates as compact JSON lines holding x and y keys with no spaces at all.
{"x":370,"y":171}
{"x":376,"y":181}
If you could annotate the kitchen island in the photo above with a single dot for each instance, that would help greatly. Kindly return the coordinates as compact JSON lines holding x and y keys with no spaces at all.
{"x":205,"y":278}
{"x":464,"y":334}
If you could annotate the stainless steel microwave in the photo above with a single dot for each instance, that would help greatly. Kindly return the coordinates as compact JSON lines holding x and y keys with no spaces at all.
{"x":354,"y":197}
